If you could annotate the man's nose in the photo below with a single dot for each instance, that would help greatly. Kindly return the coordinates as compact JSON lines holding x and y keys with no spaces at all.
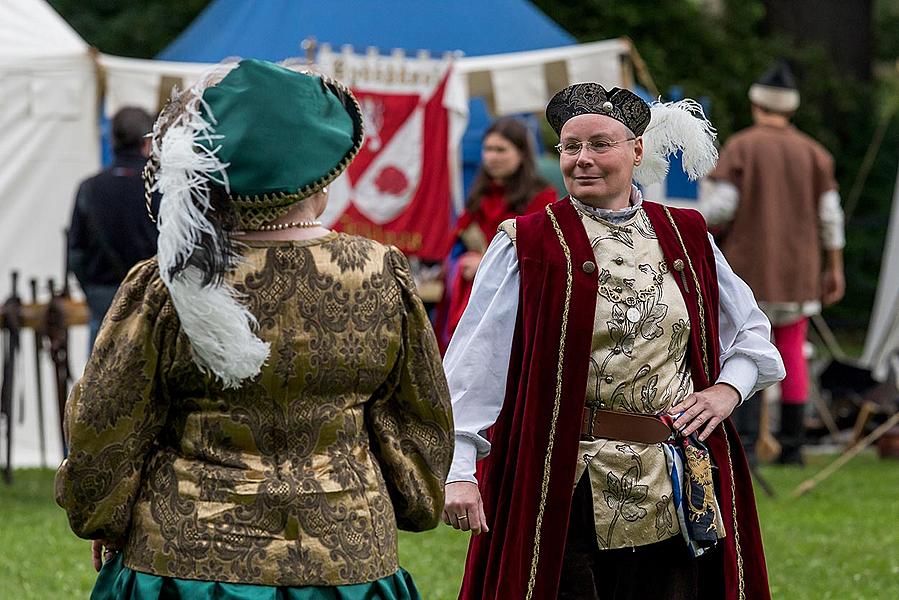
{"x":584,"y":157}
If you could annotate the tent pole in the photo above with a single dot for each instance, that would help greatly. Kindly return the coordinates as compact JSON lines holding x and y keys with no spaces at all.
{"x":310,"y":46}
{"x":641,"y":69}
{"x":868,"y":162}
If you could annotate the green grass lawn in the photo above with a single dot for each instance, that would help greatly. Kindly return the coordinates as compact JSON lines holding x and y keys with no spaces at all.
{"x":839,"y":541}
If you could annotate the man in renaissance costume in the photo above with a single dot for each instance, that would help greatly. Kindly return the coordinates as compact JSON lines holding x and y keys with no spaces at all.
{"x":605,"y":344}
{"x":775,"y":195}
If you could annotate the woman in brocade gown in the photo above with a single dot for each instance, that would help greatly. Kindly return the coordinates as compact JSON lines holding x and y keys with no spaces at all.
{"x":265,"y":403}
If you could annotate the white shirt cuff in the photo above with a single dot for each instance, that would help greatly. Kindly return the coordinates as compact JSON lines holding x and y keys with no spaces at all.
{"x":465,"y":455}
{"x":742,"y":373}
{"x":718,"y":201}
{"x":832,"y":221}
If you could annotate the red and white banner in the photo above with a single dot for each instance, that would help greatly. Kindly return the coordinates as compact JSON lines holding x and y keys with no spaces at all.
{"x":399,"y":189}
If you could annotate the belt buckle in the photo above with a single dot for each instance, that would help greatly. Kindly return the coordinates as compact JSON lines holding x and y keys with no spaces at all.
{"x":587,"y":429}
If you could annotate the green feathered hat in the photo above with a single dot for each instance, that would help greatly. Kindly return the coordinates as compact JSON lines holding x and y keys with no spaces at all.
{"x":284,"y":135}
{"x":265,"y":137}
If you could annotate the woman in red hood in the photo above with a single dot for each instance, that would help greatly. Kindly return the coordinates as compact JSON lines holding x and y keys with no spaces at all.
{"x":507,"y":185}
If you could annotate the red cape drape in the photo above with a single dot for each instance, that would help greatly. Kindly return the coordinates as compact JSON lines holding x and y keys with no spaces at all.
{"x":529,"y":473}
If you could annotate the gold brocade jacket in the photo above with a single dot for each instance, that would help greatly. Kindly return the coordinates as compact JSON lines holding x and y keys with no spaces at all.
{"x":299,"y":477}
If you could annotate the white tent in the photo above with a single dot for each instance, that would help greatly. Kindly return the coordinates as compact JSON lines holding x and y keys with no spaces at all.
{"x":881,"y":353}
{"x":49,"y":142}
{"x":511,"y":83}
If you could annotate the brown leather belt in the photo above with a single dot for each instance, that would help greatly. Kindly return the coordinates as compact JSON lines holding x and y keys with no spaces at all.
{"x":625,"y":426}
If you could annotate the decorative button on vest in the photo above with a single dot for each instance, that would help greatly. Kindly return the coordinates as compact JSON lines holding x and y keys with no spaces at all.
{"x":609,"y":379}
{"x":678,"y":265}
{"x":589,"y":266}
{"x":619,"y":261}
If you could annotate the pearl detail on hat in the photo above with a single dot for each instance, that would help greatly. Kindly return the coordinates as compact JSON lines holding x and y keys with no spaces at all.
{"x":607,"y":106}
{"x":290,"y":225}
{"x":279,"y":227}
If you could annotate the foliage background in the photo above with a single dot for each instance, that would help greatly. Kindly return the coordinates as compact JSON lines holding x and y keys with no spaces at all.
{"x":707,"y":48}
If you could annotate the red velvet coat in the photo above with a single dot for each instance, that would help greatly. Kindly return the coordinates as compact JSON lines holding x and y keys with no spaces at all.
{"x":527,"y":480}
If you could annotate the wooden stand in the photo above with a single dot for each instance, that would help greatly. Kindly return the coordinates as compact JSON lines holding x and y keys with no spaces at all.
{"x":845,"y":457}
{"x":767,"y":448}
{"x":34,"y":315}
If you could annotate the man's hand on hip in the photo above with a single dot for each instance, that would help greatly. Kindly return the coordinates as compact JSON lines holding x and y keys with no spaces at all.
{"x":706,"y":408}
{"x":463,"y":508}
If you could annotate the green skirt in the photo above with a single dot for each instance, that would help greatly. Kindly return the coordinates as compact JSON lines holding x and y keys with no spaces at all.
{"x":118,"y":582}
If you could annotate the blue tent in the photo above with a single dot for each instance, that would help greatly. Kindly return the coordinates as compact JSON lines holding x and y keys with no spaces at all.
{"x":273,"y":29}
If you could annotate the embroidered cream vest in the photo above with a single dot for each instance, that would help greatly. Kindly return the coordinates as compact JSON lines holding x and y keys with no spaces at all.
{"x":638,"y":364}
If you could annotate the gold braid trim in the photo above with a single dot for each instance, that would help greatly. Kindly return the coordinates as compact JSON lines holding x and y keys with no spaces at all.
{"x":149,"y":176}
{"x":702,"y":331}
{"x":733,"y":503}
{"x":544,"y":488}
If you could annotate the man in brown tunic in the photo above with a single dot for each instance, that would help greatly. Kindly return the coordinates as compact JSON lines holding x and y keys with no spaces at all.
{"x":775,"y":194}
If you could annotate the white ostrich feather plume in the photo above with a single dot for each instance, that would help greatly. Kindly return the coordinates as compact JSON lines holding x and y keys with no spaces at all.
{"x":677,"y":126}
{"x":220,"y":328}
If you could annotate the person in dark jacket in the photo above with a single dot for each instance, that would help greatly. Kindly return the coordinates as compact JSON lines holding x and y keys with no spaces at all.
{"x":111,"y":230}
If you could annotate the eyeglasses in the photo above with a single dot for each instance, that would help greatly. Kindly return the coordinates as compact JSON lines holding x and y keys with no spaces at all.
{"x":573,"y":147}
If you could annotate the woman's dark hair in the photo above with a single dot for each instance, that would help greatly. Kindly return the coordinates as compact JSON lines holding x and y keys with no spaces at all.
{"x":525,"y":183}
{"x":215,"y":253}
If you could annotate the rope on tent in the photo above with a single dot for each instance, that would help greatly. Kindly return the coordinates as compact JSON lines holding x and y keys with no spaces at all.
{"x":641,"y":69}
{"x":870,"y":155}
